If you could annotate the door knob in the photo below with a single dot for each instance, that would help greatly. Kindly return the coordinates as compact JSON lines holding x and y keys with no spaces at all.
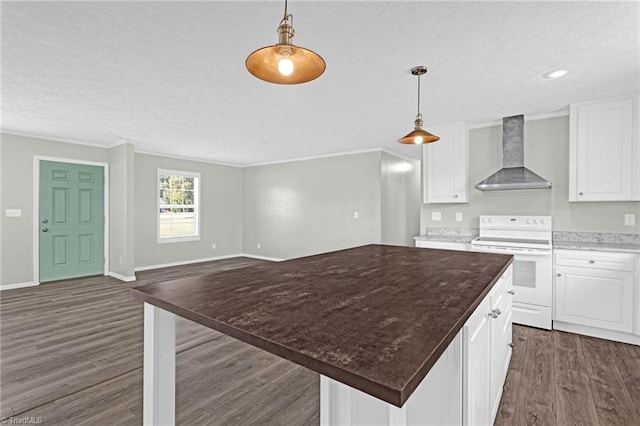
{"x":45,"y":220}
{"x":45,"y":229}
{"x":511,"y":292}
{"x":511,"y":345}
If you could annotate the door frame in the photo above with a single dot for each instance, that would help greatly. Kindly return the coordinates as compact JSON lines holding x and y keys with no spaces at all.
{"x":36,"y":208}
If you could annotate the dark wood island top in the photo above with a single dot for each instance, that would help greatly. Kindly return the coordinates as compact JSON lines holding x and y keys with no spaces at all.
{"x":376,"y":317}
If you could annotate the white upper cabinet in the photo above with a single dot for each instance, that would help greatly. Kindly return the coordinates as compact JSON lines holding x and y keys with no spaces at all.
{"x":604,"y":150}
{"x":445,"y":165}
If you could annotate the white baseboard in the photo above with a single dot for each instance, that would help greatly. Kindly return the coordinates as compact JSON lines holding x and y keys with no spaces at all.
{"x":600,"y":333}
{"x":18,"y":285}
{"x":256,"y":256}
{"x":121,"y":277}
{"x":185,"y":262}
{"x":207,"y":259}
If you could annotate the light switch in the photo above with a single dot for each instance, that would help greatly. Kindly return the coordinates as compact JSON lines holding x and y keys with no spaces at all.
{"x":629,"y":219}
{"x":458,"y":217}
{"x":355,"y":215}
{"x":13,"y":212}
{"x":436,"y":216}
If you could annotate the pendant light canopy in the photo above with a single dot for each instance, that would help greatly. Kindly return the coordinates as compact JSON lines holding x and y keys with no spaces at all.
{"x":419,"y":136}
{"x":285,"y":63}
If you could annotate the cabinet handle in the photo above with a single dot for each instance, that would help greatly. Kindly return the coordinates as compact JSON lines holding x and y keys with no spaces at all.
{"x":495,"y":313}
{"x":592,"y":261}
{"x":558,"y":275}
{"x":511,"y":292}
{"x":455,"y":196}
{"x":580,"y":193}
{"x":45,"y":229}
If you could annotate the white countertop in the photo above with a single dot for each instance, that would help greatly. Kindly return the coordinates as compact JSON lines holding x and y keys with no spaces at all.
{"x":594,"y":246}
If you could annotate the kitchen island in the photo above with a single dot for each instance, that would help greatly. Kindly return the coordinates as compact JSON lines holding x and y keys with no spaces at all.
{"x":374,"y":321}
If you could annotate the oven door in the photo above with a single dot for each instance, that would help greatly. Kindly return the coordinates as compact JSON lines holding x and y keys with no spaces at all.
{"x":532,"y":273}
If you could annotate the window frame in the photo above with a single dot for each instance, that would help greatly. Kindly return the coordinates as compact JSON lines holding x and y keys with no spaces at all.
{"x":196,"y":205}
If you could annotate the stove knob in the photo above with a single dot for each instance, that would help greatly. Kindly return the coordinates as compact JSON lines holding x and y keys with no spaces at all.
{"x":528,"y":221}
{"x":543,"y":221}
{"x":490,"y":220}
{"x":536,"y":221}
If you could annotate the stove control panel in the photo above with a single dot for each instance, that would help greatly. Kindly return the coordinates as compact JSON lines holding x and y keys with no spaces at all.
{"x":521,"y":222}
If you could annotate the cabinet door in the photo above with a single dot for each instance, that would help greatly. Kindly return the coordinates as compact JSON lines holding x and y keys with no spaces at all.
{"x":476,"y":335}
{"x":595,"y":297}
{"x":603,"y":151}
{"x":446,"y":166}
{"x":498,"y":350}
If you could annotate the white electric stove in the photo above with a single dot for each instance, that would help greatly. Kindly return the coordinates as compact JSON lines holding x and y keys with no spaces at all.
{"x":528,"y":239}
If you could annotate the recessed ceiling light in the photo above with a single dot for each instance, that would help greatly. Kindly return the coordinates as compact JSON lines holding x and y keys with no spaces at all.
{"x":555,"y":74}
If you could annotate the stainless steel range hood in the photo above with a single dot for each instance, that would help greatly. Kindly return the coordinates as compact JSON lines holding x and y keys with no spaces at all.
{"x":513,"y":175}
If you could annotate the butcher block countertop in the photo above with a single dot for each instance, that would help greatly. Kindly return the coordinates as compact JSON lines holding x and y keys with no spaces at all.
{"x":376,"y":317}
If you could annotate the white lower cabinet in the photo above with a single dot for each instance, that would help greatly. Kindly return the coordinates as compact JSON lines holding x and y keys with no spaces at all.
{"x":443,"y":245}
{"x":486,"y":354}
{"x":595,"y":290}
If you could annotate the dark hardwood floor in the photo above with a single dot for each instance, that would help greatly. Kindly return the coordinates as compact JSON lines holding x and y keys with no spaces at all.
{"x":71,"y":354}
{"x":558,"y":378}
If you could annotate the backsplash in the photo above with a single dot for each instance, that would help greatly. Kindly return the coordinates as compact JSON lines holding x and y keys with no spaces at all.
{"x":597,"y":237}
{"x":453,"y":232}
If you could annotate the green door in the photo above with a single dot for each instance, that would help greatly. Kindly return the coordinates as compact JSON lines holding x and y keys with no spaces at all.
{"x":71,"y":224}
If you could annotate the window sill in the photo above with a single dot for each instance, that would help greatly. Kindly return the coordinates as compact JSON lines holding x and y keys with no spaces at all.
{"x":178,"y":239}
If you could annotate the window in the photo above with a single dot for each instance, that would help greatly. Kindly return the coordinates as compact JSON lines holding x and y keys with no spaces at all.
{"x":178,"y":206}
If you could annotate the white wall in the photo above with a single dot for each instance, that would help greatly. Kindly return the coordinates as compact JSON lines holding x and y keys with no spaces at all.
{"x":121,"y":211}
{"x":306,"y":207}
{"x":221,"y":211}
{"x":400,"y":220}
{"x":17,"y":193}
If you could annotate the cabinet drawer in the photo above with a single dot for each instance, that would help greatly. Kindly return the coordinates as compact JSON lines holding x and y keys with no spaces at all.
{"x":531,"y":315}
{"x":595,"y":259}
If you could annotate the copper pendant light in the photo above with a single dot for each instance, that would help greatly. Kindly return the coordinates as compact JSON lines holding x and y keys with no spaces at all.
{"x":419,"y":136}
{"x":285,"y":63}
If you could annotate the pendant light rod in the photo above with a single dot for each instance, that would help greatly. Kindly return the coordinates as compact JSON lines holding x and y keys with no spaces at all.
{"x":418,"y":94}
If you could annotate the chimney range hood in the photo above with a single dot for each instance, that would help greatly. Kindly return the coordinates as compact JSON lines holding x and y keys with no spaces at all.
{"x":513,"y":174}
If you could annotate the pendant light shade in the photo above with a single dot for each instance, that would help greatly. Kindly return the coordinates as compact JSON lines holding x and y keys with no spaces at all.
{"x":418,"y":135}
{"x":284,"y":63}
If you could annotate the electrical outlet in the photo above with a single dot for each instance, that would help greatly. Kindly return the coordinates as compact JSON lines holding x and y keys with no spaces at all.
{"x":258,"y":245}
{"x":355,"y":215}
{"x":213,"y":246}
{"x":13,"y":212}
{"x":630,"y":219}
{"x":436,"y":216}
{"x":458,"y":217}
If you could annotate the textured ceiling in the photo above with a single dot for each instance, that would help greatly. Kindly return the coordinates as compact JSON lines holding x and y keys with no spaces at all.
{"x":170,"y":77}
